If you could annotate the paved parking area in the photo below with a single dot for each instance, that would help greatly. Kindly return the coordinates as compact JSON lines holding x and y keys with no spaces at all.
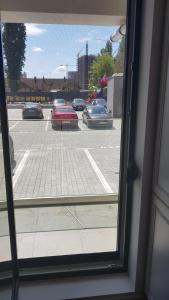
{"x":52,"y":163}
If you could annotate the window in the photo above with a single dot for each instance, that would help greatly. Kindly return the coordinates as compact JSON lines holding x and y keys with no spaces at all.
{"x":69,"y":163}
{"x":5,"y":253}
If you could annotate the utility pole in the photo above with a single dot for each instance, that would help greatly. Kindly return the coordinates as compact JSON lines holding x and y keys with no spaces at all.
{"x":87,"y":66}
{"x":78,"y":75}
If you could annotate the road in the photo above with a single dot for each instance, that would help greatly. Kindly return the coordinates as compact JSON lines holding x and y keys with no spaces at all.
{"x":53,"y":163}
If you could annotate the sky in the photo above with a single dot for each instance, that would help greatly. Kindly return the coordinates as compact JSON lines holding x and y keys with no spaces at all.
{"x":49,"y":48}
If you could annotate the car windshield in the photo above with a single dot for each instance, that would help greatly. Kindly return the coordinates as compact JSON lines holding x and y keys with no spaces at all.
{"x":58,"y":101}
{"x":65,"y":110}
{"x":97,"y":110}
{"x":78,"y":101}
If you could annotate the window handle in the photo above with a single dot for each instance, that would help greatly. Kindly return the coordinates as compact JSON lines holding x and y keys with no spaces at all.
{"x":132,"y":172}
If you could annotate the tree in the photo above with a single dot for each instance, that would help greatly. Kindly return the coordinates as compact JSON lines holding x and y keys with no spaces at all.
{"x":119,"y":59}
{"x":14,"y":43}
{"x":103,"y":64}
{"x":107,"y":49}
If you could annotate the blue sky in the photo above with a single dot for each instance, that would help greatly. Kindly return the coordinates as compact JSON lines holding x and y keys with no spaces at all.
{"x":49,"y":46}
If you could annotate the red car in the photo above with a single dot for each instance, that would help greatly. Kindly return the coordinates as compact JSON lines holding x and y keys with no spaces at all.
{"x":64,"y":115}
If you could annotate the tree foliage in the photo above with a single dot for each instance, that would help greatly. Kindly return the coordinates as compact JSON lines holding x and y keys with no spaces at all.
{"x":103,"y":64}
{"x":14,"y":43}
{"x":119,"y":59}
{"x":107,"y":49}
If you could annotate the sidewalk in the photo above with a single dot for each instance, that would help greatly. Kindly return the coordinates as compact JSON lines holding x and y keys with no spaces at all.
{"x":66,"y":242}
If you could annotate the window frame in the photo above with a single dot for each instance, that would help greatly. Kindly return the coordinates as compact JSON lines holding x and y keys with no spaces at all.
{"x":105,"y":262}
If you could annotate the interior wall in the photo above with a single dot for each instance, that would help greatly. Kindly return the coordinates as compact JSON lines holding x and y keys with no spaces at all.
{"x":96,"y":12}
{"x":148,"y":89}
{"x":94,"y":7}
{"x":158,"y":262}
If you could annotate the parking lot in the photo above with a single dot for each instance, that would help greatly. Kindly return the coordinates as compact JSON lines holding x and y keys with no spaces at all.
{"x":63,"y":163}
{"x":53,"y":163}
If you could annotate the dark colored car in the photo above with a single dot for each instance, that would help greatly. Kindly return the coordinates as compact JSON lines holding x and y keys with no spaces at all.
{"x":78,"y":104}
{"x":58,"y":102}
{"x":11,"y":149}
{"x":97,"y":116}
{"x":64,"y":115}
{"x":99,"y":101}
{"x":32,"y":111}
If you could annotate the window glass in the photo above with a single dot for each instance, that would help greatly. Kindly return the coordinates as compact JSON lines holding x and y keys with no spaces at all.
{"x":65,"y":168}
{"x":5,"y":254}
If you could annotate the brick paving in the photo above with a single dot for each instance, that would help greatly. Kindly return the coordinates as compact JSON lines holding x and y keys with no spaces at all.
{"x":51,"y":163}
{"x":57,"y":164}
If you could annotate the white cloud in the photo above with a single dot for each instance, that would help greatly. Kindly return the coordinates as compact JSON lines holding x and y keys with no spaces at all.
{"x":37,"y":49}
{"x":34,"y":30}
{"x":59,"y":69}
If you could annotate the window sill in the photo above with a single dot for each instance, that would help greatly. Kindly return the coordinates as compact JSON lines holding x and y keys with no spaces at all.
{"x":74,"y":288}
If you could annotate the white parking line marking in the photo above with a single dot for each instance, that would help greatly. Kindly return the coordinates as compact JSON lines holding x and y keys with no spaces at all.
{"x":98,"y":172}
{"x":13,"y":125}
{"x":46,"y":127}
{"x":20,"y":167}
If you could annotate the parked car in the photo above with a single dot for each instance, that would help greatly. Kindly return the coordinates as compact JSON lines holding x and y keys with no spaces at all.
{"x":32,"y":110}
{"x":64,"y":115}
{"x":11,"y":149}
{"x":99,"y":101}
{"x":58,"y":102}
{"x":78,"y":104}
{"x":96,"y":115}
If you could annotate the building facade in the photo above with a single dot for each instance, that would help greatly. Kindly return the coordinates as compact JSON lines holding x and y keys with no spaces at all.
{"x":73,"y":75}
{"x":84,"y":63}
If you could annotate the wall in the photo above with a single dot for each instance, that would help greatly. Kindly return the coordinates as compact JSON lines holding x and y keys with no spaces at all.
{"x":114,"y":95}
{"x":158,"y":262}
{"x":96,"y":12}
{"x":146,"y":116}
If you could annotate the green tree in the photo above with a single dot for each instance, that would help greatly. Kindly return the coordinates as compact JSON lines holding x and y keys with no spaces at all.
{"x":119,"y":59}
{"x":103,"y":64}
{"x":107,"y":49}
{"x":14,"y":43}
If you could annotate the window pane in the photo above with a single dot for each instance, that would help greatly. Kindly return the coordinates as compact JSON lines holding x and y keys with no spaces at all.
{"x":66,"y":148}
{"x":5,"y":254}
